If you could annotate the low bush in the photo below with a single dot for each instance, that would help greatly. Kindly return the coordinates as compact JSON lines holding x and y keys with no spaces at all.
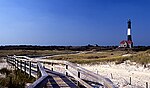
{"x":15,"y":79}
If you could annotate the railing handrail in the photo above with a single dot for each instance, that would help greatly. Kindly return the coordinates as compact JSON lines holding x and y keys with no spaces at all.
{"x":39,"y":83}
{"x":106,"y":82}
{"x":42,"y":79}
{"x":41,"y":69}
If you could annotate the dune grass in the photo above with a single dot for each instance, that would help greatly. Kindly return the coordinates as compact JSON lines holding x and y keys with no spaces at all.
{"x":142,"y":58}
{"x":14,"y":78}
{"x":4,"y":53}
{"x":107,"y":56}
{"x":92,"y":58}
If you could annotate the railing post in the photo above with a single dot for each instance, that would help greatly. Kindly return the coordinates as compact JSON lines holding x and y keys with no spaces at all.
{"x":38,"y":73}
{"x":29,"y":68}
{"x":7,"y":59}
{"x":17,"y":64}
{"x":66,"y":70}
{"x":21,"y":65}
{"x":52,"y":66}
{"x":10,"y":60}
{"x":24,"y":66}
{"x":12,"y":63}
{"x":78,"y":77}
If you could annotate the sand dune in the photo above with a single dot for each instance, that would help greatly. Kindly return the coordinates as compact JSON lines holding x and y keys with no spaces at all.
{"x":120,"y":74}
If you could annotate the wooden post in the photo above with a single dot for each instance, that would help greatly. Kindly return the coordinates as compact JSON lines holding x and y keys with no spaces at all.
{"x":66,"y":70}
{"x":17,"y":65}
{"x":14,"y":61}
{"x":111,"y":76}
{"x":78,"y":84}
{"x":130,"y":80}
{"x":146,"y":84}
{"x":24,"y":66}
{"x":97,"y":71}
{"x":30,"y":69}
{"x":52,"y":66}
{"x":7,"y":59}
{"x":11,"y":63}
{"x":38,"y":74}
{"x":21,"y":65}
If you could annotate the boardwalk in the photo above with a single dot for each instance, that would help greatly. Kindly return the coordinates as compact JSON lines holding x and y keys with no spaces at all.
{"x":49,"y":77}
{"x":57,"y":80}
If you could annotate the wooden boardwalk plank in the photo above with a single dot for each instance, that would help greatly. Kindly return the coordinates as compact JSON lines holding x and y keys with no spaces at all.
{"x":52,"y":83}
{"x":58,"y":80}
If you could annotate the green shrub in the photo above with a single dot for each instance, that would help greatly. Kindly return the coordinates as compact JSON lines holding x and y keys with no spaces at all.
{"x":15,"y":79}
{"x":5,"y":71}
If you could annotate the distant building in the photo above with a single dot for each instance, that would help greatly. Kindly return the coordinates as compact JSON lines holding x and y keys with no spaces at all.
{"x":127,"y":43}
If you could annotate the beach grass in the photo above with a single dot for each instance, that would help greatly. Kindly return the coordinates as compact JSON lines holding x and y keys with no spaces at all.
{"x":4,"y":53}
{"x":106,"y":56}
{"x":14,"y":78}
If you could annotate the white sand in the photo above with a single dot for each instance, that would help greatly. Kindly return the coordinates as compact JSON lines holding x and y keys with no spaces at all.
{"x":4,"y":64}
{"x":121,"y":74}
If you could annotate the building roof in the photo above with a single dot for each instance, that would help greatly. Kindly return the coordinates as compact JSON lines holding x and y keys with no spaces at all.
{"x":125,"y":41}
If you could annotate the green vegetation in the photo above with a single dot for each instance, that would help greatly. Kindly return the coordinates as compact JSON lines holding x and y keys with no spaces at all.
{"x":106,"y":56}
{"x":14,"y":78}
{"x":142,"y":58}
{"x":92,"y":57}
{"x":4,"y":53}
{"x":18,"y":79}
{"x":5,"y":71}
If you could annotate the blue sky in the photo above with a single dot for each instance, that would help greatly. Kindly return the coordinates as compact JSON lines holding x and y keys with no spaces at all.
{"x":73,"y":22}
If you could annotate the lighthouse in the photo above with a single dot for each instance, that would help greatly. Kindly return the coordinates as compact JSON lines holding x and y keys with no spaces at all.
{"x":129,"y":38}
{"x":127,"y":43}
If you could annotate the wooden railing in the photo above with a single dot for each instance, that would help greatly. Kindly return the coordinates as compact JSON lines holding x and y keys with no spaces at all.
{"x":70,"y":69}
{"x":42,"y":80}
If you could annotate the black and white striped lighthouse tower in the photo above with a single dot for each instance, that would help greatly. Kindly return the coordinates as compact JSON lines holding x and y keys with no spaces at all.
{"x":129,"y":31}
{"x":129,"y":37}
